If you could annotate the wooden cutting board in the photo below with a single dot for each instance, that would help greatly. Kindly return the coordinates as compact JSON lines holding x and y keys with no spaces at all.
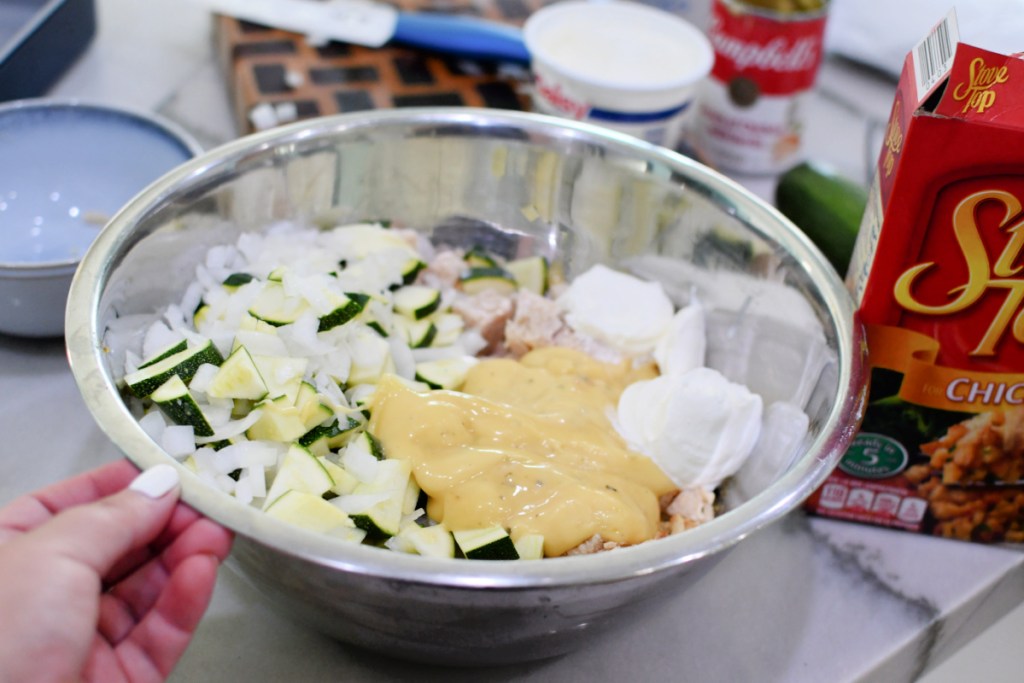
{"x":263,"y":65}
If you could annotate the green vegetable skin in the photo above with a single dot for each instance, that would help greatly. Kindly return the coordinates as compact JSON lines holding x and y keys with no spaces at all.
{"x":826,"y":206}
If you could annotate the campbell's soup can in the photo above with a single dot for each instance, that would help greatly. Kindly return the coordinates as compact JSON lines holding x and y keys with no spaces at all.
{"x":750,"y":110}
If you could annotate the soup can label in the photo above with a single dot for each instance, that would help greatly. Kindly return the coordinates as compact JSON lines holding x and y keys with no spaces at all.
{"x":749,"y":116}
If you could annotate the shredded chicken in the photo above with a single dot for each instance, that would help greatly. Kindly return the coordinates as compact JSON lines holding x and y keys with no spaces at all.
{"x":486,"y":313}
{"x":538,"y":323}
{"x":691,"y":507}
{"x":443,"y":271}
{"x":535,"y":323}
{"x":594,"y":544}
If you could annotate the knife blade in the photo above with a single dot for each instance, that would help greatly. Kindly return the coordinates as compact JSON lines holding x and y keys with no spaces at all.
{"x":373,"y":24}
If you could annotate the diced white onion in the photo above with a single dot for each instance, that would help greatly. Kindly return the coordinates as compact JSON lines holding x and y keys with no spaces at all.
{"x":402,"y":357}
{"x":257,"y":481}
{"x":178,"y":440}
{"x":261,"y":343}
{"x":243,"y":489}
{"x":154,"y":424}
{"x":132,"y":361}
{"x":192,"y":297}
{"x":254,"y":453}
{"x":175,"y":319}
{"x":217,"y":415}
{"x":362,"y":465}
{"x":158,"y":337}
{"x":201,"y":380}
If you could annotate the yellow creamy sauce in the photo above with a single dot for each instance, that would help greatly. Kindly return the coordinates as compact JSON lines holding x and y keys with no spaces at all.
{"x":527,"y":445}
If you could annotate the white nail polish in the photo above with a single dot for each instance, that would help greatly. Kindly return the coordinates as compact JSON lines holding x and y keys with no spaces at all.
{"x":155,"y":482}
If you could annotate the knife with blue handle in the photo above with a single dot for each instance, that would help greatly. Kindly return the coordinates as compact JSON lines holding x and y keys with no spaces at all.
{"x":372,"y":24}
{"x":465,"y":36}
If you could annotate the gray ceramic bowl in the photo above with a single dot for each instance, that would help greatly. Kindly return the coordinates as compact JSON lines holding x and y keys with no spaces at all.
{"x":67,"y":167}
{"x":577,"y":193}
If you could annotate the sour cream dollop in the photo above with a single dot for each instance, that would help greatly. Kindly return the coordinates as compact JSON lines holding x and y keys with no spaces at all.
{"x":696,"y":425}
{"x":624,"y":312}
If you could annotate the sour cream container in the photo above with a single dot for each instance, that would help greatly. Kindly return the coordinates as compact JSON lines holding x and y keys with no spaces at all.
{"x":622,"y":65}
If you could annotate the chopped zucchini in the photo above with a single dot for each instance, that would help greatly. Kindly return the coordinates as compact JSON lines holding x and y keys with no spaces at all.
{"x":345,"y":427}
{"x":444,"y":373}
{"x":318,"y":438}
{"x":411,"y":270}
{"x":492,"y":543}
{"x":275,"y":307}
{"x":430,"y":541}
{"x":418,"y":334}
{"x":363,"y":457}
{"x":530,"y":546}
{"x":241,"y":407}
{"x":449,"y":328}
{"x":280,"y":421}
{"x":531,"y":273}
{"x":376,"y":506}
{"x":826,"y":206}
{"x":476,"y":280}
{"x":238,"y":377}
{"x":344,"y":482}
{"x":184,"y":364}
{"x":362,"y":239}
{"x":166,"y":352}
{"x":200,"y":316}
{"x":377,"y":315}
{"x":328,"y":436}
{"x":311,"y":409}
{"x":312,"y":512}
{"x":236,"y":280}
{"x":282,"y":374}
{"x":306,"y":394}
{"x":300,"y":470}
{"x":477,"y":257}
{"x":369,"y":443}
{"x":412,"y":496}
{"x":314,"y":414}
{"x":176,"y":402}
{"x":380,"y":518}
{"x":346,"y":307}
{"x":260,"y":343}
{"x":251,"y":324}
{"x":417,"y":301}
{"x":377,"y":327}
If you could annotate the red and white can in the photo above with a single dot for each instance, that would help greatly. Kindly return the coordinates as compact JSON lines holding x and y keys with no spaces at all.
{"x":749,"y":116}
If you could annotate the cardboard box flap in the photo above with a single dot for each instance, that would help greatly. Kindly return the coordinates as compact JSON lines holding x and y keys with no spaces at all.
{"x":984,"y":86}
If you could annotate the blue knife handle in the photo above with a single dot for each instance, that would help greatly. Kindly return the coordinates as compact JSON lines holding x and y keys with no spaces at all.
{"x":464,"y":36}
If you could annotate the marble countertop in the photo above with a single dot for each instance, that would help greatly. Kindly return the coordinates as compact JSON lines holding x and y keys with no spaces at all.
{"x":803,"y":600}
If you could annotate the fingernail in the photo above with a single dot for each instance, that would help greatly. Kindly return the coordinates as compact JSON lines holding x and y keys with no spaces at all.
{"x":155,"y":482}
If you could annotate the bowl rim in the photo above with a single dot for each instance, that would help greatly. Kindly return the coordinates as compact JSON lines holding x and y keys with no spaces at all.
{"x":85,"y":353}
{"x":160,"y":123}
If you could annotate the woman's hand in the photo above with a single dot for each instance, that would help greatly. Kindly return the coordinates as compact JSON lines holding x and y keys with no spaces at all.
{"x":102,"y":582}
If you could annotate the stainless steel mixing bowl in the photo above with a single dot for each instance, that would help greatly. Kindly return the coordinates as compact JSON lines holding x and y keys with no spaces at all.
{"x":526,"y":183}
